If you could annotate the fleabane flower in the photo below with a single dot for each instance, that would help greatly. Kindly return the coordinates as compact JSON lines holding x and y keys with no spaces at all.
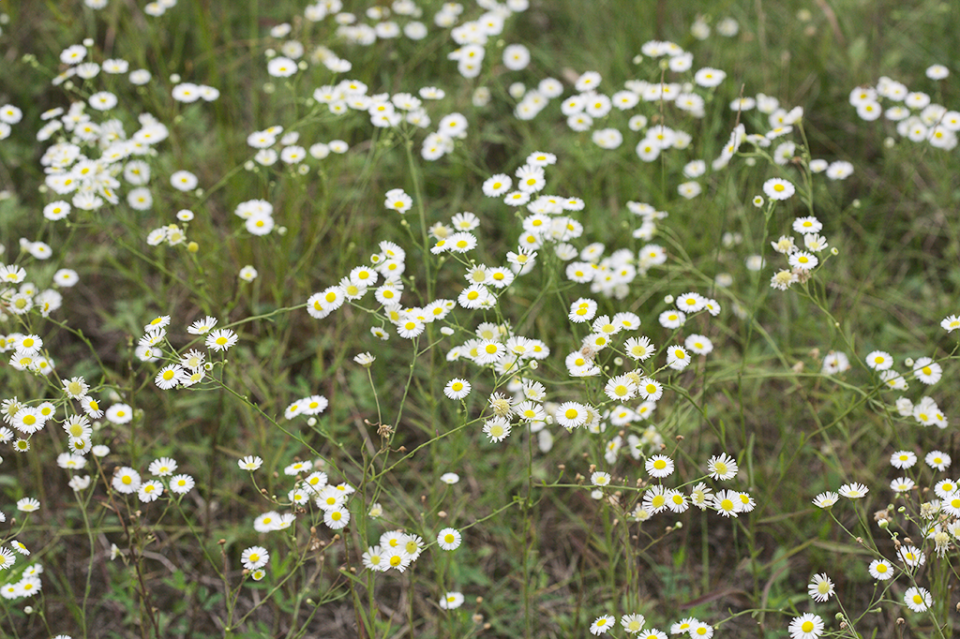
{"x":722,"y":467}
{"x":917,"y":599}
{"x":879,"y":360}
{"x":457,"y":389}
{"x":221,"y":339}
{"x":808,"y":626}
{"x":659,"y":466}
{"x":449,"y":539}
{"x":397,"y":200}
{"x":601,"y":625}
{"x":853,"y":491}
{"x":826,"y":500}
{"x":777,"y":189}
{"x":254,"y":557}
{"x":820,"y":587}
{"x":250,"y":462}
{"x":677,"y":358}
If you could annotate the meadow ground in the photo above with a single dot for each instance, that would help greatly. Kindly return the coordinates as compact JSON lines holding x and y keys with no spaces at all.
{"x":539,"y":318}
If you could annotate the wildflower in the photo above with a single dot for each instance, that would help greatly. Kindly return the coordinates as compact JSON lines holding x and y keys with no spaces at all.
{"x":901,"y":484}
{"x":397,"y":558}
{"x":29,"y":586}
{"x":79,"y":483}
{"x":150,"y":491}
{"x":251,"y":462}
{"x":530,"y":411}
{"x":917,"y":599}
{"x":583,"y":310}
{"x":457,"y":389}
{"x":221,"y":339}
{"x":903,"y":459}
{"x":777,"y":189}
{"x":183,"y":181}
{"x":911,"y":556}
{"x":7,"y":558}
{"x":945,"y":488}
{"x":691,"y":302}
{"x":638,"y":348}
{"x":676,"y":501}
{"x":119,"y":414}
{"x":727,"y":503}
{"x":701,"y":630}
{"x":938,"y":460}
{"x":126,"y":480}
{"x":497,"y":429}
{"x":162,"y":467}
{"x":927,"y":371}
{"x":602,"y":624}
{"x":633,"y":623}
{"x":168,"y":377}
{"x":950,"y":323}
{"x":267,"y":522}
{"x":880,"y":569}
{"x":803,"y":260}
{"x":853,"y":491}
{"x":254,"y":557}
{"x":281,"y":67}
{"x":677,"y":358}
{"x":659,"y":466}
{"x":449,"y":539}
{"x":452,"y":600}
{"x":497,"y":185}
{"x":699,"y":344}
{"x":722,"y":467}
{"x":600,"y":479}
{"x":807,"y":626}
{"x":879,"y":360}
{"x":397,"y":200}
{"x":374,"y":560}
{"x":571,"y":415}
{"x":700,"y":496}
{"x":820,"y":588}
{"x":181,"y":484}
{"x":672,"y":319}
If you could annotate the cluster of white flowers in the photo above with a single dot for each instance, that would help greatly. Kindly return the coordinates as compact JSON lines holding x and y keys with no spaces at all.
{"x":127,"y":481}
{"x":802,"y":261}
{"x":29,"y":583}
{"x":634,"y":624}
{"x":395,"y":550}
{"x":917,"y":118}
{"x":311,"y":488}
